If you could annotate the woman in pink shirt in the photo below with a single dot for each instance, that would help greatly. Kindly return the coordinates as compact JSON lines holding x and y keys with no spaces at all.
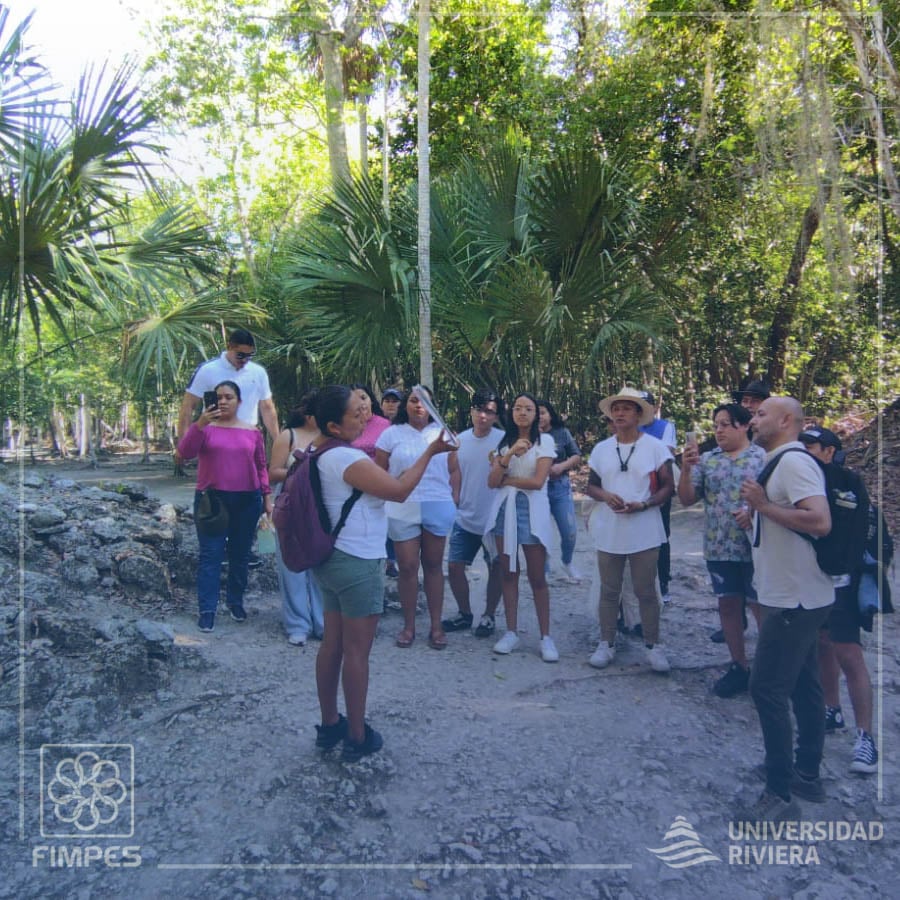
{"x":231,"y":458}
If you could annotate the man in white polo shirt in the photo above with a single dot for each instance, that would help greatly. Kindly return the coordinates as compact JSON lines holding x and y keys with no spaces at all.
{"x":795,"y":596}
{"x":236,"y":365}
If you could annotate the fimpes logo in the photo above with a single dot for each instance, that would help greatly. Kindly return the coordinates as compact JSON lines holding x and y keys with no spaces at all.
{"x":87,"y":791}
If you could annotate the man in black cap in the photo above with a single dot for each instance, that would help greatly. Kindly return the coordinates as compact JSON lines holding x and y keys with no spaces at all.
{"x":839,"y":639}
{"x":751,"y":393}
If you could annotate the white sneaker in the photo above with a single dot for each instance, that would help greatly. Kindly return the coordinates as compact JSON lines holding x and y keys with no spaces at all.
{"x":603,"y":655}
{"x":571,"y":574}
{"x":657,"y":659}
{"x":666,"y":599}
{"x":507,"y":643}
{"x":549,"y":653}
{"x":297,"y":640}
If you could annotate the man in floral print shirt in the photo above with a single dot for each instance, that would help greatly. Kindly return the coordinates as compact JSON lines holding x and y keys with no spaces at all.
{"x":715,"y":478}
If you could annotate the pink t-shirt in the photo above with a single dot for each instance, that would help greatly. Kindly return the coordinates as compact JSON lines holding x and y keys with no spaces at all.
{"x":366,"y":441}
{"x":228,"y":459}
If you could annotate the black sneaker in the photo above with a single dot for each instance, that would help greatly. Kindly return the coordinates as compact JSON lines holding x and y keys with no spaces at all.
{"x":353,"y":751}
{"x":206,"y":621}
{"x":770,"y":808}
{"x":462,"y":622}
{"x":485,"y":626}
{"x":253,"y":561}
{"x":718,"y":636}
{"x":329,"y":736}
{"x":834,"y":719}
{"x":810,"y":789}
{"x":238,"y":613}
{"x":807,"y":788}
{"x":865,"y":754}
{"x":733,"y":682}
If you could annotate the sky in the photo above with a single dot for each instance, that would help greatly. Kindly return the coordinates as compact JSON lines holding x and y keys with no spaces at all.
{"x":70,"y":34}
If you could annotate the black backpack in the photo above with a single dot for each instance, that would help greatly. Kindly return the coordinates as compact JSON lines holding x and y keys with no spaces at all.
{"x":841,"y":551}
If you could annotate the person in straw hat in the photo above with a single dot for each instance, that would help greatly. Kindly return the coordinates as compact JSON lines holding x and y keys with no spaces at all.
{"x":630,"y":477}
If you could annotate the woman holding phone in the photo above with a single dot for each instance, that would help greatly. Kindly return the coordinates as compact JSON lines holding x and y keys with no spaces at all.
{"x":352,"y":578}
{"x":419,"y":527}
{"x":232,"y":461}
{"x":521,"y":518}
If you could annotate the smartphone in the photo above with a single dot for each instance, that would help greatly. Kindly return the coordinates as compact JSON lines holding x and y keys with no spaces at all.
{"x":690,"y":437}
{"x":210,"y":398}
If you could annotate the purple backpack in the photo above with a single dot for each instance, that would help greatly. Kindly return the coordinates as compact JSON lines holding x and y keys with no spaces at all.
{"x":305,"y":536}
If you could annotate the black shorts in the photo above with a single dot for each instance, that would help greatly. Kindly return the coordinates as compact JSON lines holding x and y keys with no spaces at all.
{"x":844,"y":619}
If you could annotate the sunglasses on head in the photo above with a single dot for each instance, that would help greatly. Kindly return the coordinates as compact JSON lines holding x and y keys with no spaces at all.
{"x":240,"y":355}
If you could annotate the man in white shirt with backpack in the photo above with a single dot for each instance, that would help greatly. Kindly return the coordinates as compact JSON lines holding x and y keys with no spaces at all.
{"x":795,"y":596}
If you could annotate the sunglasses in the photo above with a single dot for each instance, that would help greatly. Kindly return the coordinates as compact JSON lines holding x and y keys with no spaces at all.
{"x":244,"y":355}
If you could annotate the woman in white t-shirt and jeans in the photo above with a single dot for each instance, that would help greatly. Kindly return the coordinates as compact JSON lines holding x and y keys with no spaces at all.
{"x":520,"y":517}
{"x":419,"y":527}
{"x":352,"y":578}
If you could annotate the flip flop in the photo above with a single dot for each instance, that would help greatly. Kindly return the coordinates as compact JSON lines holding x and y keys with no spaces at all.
{"x":405,"y":638}
{"x":438,"y":641}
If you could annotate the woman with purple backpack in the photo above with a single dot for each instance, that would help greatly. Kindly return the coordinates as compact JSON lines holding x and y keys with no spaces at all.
{"x":352,"y":578}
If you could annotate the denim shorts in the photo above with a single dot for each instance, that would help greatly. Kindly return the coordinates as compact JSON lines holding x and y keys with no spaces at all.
{"x":731,"y":579}
{"x":523,"y":521}
{"x":436,"y":517}
{"x":464,"y":546}
{"x":351,"y":586}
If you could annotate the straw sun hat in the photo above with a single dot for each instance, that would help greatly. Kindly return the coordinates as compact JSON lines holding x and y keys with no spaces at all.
{"x":639,"y":398}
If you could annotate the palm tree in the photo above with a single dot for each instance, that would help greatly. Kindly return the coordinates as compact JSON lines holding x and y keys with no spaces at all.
{"x":70,"y":241}
{"x":538,"y":277}
{"x":540,"y":282}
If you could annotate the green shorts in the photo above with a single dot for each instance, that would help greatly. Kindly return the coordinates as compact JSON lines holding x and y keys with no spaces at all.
{"x":352,"y":586}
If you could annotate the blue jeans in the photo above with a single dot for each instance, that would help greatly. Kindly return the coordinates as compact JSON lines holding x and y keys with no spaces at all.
{"x":562,"y":508}
{"x":301,"y":601}
{"x":244,"y":510}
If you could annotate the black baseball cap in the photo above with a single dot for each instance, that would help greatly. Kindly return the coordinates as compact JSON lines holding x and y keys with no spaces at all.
{"x":823,"y":436}
{"x":754,"y":388}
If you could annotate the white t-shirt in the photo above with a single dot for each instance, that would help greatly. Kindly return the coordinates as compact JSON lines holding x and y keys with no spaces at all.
{"x":475,"y":497}
{"x":405,"y":445}
{"x":786,"y":572}
{"x":365,"y":531}
{"x":252,"y":379}
{"x":524,"y":466}
{"x":624,"y":533}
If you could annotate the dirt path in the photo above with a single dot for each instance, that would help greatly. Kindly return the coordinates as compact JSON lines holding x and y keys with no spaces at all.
{"x":500,"y":776}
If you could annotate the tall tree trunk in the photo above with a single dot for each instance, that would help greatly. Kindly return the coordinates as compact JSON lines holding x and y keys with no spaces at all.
{"x":247,"y":246}
{"x":145,"y":415}
{"x":426,"y":373}
{"x":780,"y":330}
{"x":363,"y":114}
{"x":386,"y":148}
{"x":329,"y":46}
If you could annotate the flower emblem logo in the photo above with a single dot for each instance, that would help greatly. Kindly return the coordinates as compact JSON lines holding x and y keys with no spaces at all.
{"x":86,"y":791}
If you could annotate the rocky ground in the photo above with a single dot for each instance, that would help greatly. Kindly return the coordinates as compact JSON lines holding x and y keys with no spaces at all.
{"x":500,"y":776}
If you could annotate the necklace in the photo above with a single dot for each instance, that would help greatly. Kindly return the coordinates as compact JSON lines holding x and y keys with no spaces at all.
{"x":623,"y":463}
